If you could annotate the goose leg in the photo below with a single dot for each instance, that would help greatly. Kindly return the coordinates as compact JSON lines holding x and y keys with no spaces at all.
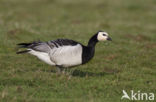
{"x":59,"y":69}
{"x":69,"y":72}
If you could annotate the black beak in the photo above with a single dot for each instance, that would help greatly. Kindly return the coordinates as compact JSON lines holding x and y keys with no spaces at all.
{"x":109,"y":39}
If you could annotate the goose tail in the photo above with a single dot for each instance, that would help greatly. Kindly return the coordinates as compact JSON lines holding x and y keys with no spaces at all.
{"x":23,"y":45}
{"x":22,"y":52}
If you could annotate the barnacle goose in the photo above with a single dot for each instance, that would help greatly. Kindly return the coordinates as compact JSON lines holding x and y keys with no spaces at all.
{"x":64,"y":52}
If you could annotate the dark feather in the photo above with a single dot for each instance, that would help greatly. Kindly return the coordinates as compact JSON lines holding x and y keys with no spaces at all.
{"x":62,"y":42}
{"x":46,"y":46}
{"x":21,"y":52}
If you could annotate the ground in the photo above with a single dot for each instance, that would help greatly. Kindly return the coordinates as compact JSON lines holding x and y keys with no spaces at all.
{"x":128,"y":62}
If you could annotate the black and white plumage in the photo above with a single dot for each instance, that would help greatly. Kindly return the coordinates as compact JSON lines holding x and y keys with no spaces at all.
{"x":64,"y":52}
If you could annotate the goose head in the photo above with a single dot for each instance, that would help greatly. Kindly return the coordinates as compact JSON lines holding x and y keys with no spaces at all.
{"x":103,"y":36}
{"x":99,"y":36}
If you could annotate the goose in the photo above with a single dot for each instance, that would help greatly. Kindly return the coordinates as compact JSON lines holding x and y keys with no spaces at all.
{"x":64,"y":53}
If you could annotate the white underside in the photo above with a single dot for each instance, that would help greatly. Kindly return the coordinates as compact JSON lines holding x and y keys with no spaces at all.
{"x":65,"y":56}
{"x":42,"y":56}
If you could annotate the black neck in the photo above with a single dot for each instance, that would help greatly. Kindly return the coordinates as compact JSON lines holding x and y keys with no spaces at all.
{"x":93,"y":40}
{"x":88,"y":51}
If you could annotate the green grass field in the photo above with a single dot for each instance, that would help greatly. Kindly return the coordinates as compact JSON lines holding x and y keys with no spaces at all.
{"x":129,"y":62}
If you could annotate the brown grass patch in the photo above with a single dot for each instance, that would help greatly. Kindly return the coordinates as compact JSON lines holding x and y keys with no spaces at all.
{"x":139,"y":37}
{"x":109,"y":70}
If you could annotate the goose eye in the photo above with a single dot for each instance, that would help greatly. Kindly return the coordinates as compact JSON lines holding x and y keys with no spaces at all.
{"x":104,"y":34}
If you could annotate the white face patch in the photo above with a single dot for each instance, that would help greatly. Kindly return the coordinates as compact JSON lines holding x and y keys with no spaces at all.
{"x":102,"y":36}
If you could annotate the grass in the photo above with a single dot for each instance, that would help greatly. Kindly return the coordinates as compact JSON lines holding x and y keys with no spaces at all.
{"x":126,"y":63}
